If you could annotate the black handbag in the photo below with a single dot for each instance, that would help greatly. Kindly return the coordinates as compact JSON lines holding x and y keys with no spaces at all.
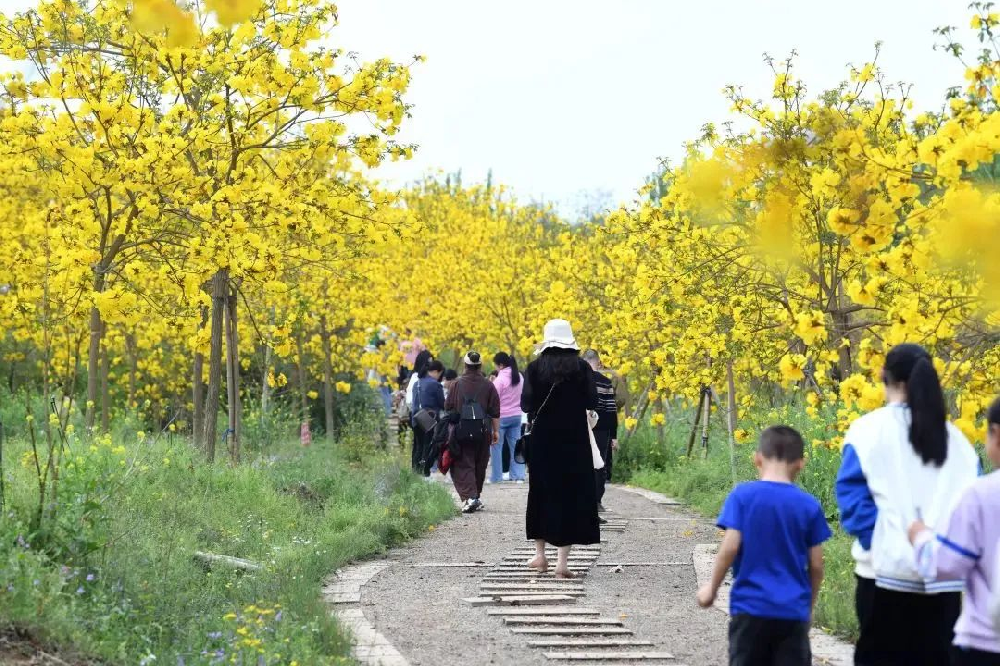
{"x":523,"y":446}
{"x":424,"y":418}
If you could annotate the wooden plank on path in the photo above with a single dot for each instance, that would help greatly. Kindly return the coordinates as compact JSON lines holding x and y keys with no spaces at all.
{"x":523,"y":568}
{"x":542,"y":610}
{"x":533,"y":583}
{"x":446,"y":565}
{"x":589,"y":643}
{"x":573,"y":631}
{"x":498,"y":588}
{"x":644,"y":564}
{"x":519,"y":599}
{"x":512,"y":577}
{"x":552,"y":549}
{"x":568,"y":621}
{"x":526,"y":591}
{"x":581,"y":556}
{"x":608,"y":656}
{"x":526,"y":573}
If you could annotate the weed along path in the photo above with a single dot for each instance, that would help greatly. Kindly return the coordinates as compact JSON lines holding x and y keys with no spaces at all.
{"x":463,"y":595}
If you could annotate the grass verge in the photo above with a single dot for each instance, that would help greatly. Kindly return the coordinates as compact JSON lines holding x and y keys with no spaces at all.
{"x":106,"y":571}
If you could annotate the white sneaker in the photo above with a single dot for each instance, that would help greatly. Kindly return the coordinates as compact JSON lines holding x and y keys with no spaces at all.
{"x":467,"y":507}
{"x":519,"y":481}
{"x":506,"y":476}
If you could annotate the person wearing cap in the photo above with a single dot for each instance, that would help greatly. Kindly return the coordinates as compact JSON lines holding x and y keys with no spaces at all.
{"x":468,"y":472}
{"x":559,"y":388}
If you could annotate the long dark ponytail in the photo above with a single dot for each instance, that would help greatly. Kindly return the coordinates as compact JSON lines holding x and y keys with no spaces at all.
{"x":508,"y":361}
{"x":912,"y":365}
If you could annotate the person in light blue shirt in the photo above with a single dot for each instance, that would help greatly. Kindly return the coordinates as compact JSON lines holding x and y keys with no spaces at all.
{"x":774,"y":545}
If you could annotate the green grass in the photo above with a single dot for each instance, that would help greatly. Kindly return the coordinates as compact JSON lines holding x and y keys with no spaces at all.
{"x":656,"y":459}
{"x":109,"y":572}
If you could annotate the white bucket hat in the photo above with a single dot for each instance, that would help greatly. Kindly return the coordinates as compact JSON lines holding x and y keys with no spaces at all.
{"x":558,"y":333}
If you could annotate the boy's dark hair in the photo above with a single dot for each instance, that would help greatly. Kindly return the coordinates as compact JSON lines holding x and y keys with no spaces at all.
{"x":450,"y":374}
{"x":993,"y":413}
{"x":782,"y":443}
{"x":435,"y":366}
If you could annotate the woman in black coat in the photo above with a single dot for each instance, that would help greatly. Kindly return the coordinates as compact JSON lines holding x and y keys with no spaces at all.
{"x":562,"y":499}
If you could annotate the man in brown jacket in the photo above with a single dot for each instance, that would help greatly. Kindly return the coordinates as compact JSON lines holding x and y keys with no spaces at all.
{"x":476,"y":401}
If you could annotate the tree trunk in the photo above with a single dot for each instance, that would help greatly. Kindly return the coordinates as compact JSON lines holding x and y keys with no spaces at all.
{"x":133,"y":367}
{"x":327,"y":379}
{"x":265,"y":388}
{"x":105,"y":389}
{"x":706,"y":418}
{"x":93,"y":363}
{"x":302,"y":378}
{"x":842,"y":328}
{"x":694,"y":427}
{"x":198,"y":390}
{"x":731,"y":404}
{"x":233,"y":378}
{"x":220,"y":281}
{"x":731,"y":398}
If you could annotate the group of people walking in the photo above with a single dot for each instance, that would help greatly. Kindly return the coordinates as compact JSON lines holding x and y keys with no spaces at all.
{"x":559,"y":419}
{"x":478,"y":419}
{"x":926,"y":528}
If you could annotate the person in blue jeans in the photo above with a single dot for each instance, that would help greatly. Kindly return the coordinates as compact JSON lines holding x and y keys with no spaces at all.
{"x":508,"y":385}
{"x":774,"y":544}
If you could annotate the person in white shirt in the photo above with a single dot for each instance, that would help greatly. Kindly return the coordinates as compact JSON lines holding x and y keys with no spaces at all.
{"x":901,"y":463}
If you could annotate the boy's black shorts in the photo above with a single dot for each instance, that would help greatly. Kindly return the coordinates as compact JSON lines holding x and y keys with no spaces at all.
{"x":762,"y":641}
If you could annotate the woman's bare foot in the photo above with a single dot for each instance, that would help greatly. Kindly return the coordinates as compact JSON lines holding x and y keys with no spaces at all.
{"x":565,"y":573}
{"x":539,"y":564}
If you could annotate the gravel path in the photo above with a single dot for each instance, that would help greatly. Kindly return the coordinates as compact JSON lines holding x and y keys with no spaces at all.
{"x":420,"y":610}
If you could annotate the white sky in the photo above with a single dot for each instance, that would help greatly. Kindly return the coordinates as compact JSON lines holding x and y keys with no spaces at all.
{"x":560,"y":97}
{"x":565,"y":99}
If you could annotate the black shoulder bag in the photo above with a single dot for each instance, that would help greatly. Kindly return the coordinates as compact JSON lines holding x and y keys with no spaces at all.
{"x":424,"y":418}
{"x":522,"y":448}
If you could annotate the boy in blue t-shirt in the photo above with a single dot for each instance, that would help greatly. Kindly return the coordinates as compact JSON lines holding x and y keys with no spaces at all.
{"x":773,"y":542}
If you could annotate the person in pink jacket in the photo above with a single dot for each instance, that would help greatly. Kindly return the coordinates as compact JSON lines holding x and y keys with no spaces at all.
{"x":508,"y":384}
{"x":967,"y":547}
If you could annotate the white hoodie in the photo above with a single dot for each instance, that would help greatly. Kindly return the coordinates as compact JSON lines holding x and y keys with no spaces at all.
{"x":883,"y":486}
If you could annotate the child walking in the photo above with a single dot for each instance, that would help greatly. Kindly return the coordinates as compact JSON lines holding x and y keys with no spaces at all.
{"x":965,"y":548}
{"x":773,"y":542}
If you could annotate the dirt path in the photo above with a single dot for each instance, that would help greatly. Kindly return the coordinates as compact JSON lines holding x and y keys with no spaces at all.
{"x":410,"y":609}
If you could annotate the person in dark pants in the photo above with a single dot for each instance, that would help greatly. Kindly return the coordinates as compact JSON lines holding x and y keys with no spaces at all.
{"x":468,"y":472}
{"x":409,"y":395}
{"x":429,"y":395}
{"x":606,"y":430}
{"x":901,"y":463}
{"x":774,"y":544}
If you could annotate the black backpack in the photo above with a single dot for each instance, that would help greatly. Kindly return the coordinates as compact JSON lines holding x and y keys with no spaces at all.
{"x":473,"y":424}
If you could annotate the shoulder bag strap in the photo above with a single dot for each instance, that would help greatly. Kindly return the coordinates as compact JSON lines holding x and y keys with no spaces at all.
{"x":531,"y":424}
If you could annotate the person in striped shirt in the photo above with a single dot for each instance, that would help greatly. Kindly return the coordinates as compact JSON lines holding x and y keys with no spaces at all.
{"x":606,"y":430}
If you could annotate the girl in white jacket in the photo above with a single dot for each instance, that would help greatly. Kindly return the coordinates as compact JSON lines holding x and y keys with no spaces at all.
{"x":901,"y":463}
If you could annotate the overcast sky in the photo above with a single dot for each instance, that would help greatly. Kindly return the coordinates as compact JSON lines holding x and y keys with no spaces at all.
{"x":561,"y":97}
{"x":573,"y":101}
